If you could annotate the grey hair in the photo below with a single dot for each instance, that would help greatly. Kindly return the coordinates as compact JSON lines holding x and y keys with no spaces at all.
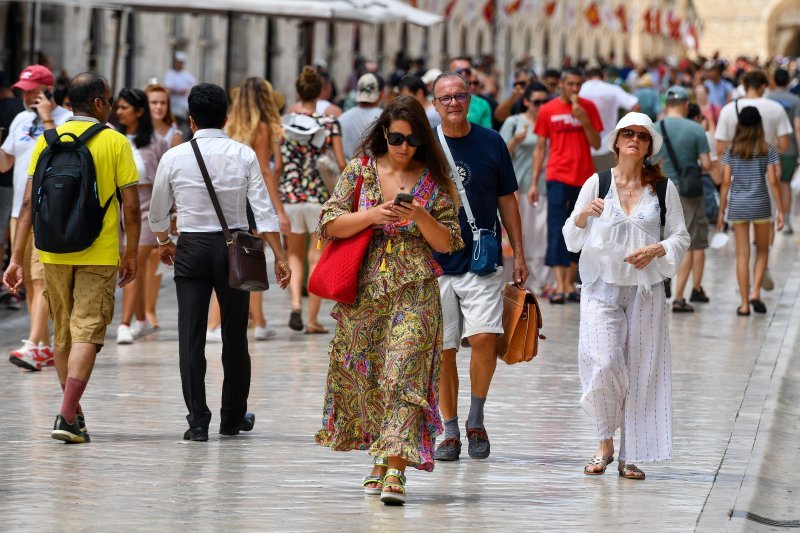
{"x":449,"y":74}
{"x":572,"y":71}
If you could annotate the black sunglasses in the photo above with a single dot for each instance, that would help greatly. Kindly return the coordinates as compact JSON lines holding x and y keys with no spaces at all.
{"x":641,"y":135}
{"x":464,"y":71}
{"x":537,"y":103}
{"x":396,"y":139}
{"x":520,"y":83}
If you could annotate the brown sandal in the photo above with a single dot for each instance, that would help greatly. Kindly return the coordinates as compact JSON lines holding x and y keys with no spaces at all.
{"x":602,"y":462}
{"x":630,"y":471}
{"x":313,"y":329}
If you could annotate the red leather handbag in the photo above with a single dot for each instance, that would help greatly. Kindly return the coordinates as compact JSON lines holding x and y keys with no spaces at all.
{"x":336,"y":275}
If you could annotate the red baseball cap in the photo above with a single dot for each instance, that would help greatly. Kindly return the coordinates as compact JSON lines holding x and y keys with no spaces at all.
{"x":33,"y":76}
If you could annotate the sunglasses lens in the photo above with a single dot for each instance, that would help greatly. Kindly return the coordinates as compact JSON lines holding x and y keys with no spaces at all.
{"x":394,"y":138}
{"x":413,"y":141}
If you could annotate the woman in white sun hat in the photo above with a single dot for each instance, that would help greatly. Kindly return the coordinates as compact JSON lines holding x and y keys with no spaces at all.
{"x":629,"y":246}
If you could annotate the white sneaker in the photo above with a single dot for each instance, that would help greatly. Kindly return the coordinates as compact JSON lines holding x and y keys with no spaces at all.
{"x":141,"y":328}
{"x":214,"y":335}
{"x":26,"y":357}
{"x":265,"y":333}
{"x":124,"y":334}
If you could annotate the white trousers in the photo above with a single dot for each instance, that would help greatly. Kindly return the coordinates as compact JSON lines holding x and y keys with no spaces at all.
{"x":625,"y":368}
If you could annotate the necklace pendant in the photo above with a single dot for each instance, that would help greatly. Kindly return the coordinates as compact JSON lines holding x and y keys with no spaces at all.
{"x":402,"y":188}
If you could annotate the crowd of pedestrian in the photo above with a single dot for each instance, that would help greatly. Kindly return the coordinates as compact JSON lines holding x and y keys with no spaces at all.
{"x":594,"y":184}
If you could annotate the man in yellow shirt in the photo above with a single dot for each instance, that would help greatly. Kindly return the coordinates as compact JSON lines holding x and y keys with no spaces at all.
{"x":80,"y":285}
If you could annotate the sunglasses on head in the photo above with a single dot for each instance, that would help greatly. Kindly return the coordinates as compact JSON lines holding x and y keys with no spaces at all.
{"x":640,"y":135}
{"x":448,"y":99}
{"x":397,"y":139}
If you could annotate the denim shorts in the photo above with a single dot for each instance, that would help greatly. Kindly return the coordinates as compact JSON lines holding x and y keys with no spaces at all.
{"x":561,"y":199}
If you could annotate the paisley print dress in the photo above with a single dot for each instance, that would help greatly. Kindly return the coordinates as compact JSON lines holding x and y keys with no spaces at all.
{"x":381,"y":392}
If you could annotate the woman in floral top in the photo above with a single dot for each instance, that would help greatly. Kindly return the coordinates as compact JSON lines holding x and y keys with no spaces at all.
{"x":303,"y":193}
{"x":385,"y":356}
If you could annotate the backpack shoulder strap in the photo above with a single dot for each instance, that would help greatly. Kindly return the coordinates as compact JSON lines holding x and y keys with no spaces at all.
{"x":605,"y":183}
{"x":50,"y":136}
{"x":661,"y":193}
{"x":93,"y":130}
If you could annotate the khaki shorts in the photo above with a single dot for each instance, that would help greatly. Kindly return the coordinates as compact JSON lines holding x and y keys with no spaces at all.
{"x":694,"y":212}
{"x":31,"y":266}
{"x":81,"y":300}
{"x":303,"y":218}
{"x":471,"y":304}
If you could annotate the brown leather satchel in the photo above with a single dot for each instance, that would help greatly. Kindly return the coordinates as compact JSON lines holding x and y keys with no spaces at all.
{"x":247,"y":265}
{"x":522,"y":320}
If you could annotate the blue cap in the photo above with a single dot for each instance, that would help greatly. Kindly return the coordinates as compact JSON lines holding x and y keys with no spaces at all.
{"x":676,"y":92}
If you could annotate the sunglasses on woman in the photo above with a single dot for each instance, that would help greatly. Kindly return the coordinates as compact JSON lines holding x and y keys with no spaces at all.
{"x":396,"y":139}
{"x":642,"y":136}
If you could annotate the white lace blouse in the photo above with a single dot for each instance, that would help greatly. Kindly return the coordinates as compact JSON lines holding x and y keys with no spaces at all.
{"x":608,"y":239}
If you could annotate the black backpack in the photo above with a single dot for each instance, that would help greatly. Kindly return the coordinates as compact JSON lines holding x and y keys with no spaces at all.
{"x":67,"y":215}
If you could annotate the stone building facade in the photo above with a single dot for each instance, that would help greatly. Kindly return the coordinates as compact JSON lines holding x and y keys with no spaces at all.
{"x":78,"y":38}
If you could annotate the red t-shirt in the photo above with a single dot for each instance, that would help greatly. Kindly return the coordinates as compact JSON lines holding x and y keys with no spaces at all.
{"x":570,"y":157}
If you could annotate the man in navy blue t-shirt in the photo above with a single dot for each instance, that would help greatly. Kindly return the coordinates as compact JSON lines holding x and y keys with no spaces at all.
{"x":472,"y":305}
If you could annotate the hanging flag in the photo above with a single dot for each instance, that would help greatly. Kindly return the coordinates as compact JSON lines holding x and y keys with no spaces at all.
{"x":622,"y":17}
{"x":648,"y":21}
{"x":413,"y":3}
{"x":448,"y":8}
{"x":550,"y":8}
{"x":513,"y":7}
{"x":674,"y":27}
{"x":592,"y":14}
{"x":656,"y":18}
{"x":488,"y":11}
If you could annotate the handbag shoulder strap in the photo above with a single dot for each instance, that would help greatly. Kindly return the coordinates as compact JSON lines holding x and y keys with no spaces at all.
{"x":359,"y":183}
{"x":670,"y":151}
{"x":211,"y":192}
{"x":457,"y":179}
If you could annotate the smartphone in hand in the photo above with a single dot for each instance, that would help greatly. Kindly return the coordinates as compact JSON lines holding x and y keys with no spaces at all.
{"x":403,"y":197}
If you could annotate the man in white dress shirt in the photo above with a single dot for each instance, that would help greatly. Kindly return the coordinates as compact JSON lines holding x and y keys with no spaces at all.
{"x":200,"y":258}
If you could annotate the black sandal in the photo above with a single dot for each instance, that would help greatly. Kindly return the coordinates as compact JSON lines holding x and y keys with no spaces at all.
{"x":739,"y":311}
{"x":758,"y":306}
{"x":679,"y":305}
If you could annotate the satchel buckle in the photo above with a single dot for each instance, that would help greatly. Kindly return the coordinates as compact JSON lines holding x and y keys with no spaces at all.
{"x":229,"y":243}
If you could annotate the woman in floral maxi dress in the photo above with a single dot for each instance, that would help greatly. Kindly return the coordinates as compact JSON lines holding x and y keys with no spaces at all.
{"x":385,"y":356}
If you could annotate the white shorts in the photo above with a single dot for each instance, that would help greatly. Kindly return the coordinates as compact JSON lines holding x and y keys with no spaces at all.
{"x":303,"y":218}
{"x":471,"y":304}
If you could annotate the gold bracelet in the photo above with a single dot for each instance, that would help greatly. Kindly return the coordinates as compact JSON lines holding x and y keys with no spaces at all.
{"x":163,"y":243}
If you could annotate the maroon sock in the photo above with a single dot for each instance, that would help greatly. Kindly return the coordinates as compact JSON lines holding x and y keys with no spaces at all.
{"x":72,"y":395}
{"x":79,"y":410}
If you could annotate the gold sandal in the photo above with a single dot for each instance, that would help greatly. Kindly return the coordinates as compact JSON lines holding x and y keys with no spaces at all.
{"x":602,"y":462}
{"x":630,"y":471}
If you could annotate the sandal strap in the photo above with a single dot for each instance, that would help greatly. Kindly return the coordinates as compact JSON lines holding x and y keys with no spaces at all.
{"x":395,"y":473}
{"x":601,"y":461}
{"x":381,"y":461}
{"x":630,"y":468}
{"x":372,"y":479}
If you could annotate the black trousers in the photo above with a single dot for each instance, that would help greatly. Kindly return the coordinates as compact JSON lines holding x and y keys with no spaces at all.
{"x":201,"y":264}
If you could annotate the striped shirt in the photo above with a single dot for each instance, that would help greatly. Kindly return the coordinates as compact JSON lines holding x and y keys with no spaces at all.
{"x":749,"y":197}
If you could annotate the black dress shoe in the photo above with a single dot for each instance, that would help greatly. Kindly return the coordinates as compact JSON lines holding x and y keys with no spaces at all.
{"x":247,"y":424}
{"x":198,"y":434}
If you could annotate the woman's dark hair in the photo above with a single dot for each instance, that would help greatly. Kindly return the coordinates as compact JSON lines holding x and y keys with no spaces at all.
{"x":308,"y":84}
{"x":651,"y":170}
{"x":534,"y":87}
{"x":694,"y":111}
{"x":428,"y":153}
{"x":138,"y":100}
{"x":84,"y":89}
{"x":208,"y":105}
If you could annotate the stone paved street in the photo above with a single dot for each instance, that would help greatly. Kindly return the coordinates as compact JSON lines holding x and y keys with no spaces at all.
{"x":138,"y":474}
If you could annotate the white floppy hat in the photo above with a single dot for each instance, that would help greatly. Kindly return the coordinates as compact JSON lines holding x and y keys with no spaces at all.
{"x":635,"y":119}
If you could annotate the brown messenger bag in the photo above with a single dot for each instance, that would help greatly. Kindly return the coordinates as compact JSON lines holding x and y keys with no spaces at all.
{"x":522,"y":320}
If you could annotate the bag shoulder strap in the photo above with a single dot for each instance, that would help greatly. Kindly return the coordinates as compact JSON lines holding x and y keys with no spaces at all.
{"x":51,"y":136}
{"x":670,"y":150}
{"x":211,"y":192}
{"x":661,"y":193}
{"x":458,"y":181}
{"x":359,"y":184}
{"x":604,"y":183}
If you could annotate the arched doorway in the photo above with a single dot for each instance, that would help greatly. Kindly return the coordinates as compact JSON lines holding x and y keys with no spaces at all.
{"x":784,"y":28}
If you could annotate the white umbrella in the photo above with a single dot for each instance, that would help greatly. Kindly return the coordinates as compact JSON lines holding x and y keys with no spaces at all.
{"x":378,"y":11}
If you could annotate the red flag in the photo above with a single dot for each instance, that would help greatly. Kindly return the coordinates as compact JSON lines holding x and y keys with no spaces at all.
{"x":693,"y":32}
{"x":674,"y":27}
{"x":513,"y":7}
{"x":448,"y":8}
{"x":413,"y":3}
{"x":488,"y":10}
{"x":550,"y":8}
{"x":593,"y":14}
{"x":622,"y":16}
{"x":656,"y":17}
{"x":648,"y":21}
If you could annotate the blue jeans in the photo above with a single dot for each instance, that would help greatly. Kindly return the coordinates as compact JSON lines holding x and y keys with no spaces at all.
{"x":561,"y":199}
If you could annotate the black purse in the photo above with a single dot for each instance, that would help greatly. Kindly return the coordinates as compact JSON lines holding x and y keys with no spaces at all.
{"x":690,"y":178}
{"x":247,"y":265}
